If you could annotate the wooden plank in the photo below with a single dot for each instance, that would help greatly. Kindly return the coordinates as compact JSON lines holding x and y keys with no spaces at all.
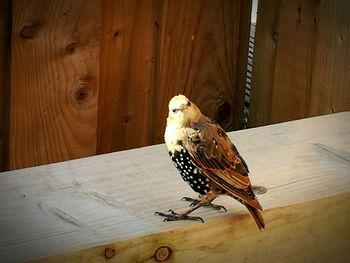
{"x":5,"y":36}
{"x":300,"y":60}
{"x":58,"y":208}
{"x":128,"y":74}
{"x":263,"y":63}
{"x":314,"y":231}
{"x":203,"y":51}
{"x":54,"y":81}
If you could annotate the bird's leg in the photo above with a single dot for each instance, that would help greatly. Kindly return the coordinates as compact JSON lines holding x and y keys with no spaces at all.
{"x":173,"y":216}
{"x":208,"y":204}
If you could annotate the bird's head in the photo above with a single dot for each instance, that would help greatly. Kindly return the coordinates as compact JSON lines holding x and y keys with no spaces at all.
{"x":182,"y":110}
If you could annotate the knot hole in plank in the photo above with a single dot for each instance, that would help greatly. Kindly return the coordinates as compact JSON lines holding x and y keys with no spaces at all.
{"x":223,"y":112}
{"x":70,"y":48}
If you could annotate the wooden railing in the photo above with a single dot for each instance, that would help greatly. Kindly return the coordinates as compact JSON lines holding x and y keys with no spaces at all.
{"x":103,"y":206}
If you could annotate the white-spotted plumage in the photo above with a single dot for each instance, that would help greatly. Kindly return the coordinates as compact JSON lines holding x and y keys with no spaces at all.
{"x":187,"y":171}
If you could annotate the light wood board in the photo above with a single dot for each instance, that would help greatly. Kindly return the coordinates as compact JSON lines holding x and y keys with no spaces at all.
{"x":68,"y":206}
{"x":54,"y":81}
{"x":315,"y":231}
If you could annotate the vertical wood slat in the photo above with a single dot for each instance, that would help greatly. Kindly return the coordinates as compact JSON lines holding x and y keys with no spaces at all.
{"x":128,"y":70}
{"x":300,"y":60}
{"x":54,"y":81}
{"x":200,"y":56}
{"x":5,"y":30}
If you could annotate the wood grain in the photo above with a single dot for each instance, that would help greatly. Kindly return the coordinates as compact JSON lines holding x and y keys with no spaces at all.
{"x":300,"y":60}
{"x":201,"y":47}
{"x":54,"y":81}
{"x":58,"y":208}
{"x":263,"y":63}
{"x":100,"y":75}
{"x":315,"y":231}
{"x":128,"y":74}
{"x":5,"y":51}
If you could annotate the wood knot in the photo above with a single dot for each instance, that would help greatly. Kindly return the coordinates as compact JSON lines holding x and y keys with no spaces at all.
{"x":162,"y":253}
{"x":81,"y":94}
{"x":82,"y":90}
{"x":109,"y":252}
{"x":70,"y":48}
{"x":29,"y":32}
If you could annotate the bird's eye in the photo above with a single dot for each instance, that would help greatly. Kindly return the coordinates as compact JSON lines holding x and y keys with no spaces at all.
{"x":174,"y":110}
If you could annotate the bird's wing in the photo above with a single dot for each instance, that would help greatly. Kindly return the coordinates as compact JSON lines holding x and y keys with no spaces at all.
{"x":215,"y":155}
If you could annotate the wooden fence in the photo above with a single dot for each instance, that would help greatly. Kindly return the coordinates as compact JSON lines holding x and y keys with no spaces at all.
{"x":80,"y":78}
{"x":95,"y":76}
{"x":301,"y":60}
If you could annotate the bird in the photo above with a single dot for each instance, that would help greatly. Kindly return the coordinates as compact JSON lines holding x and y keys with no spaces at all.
{"x":207,"y":160}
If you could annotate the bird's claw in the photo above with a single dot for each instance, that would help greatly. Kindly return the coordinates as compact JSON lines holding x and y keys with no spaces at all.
{"x":217,"y":207}
{"x":194,"y":202}
{"x":173,"y":216}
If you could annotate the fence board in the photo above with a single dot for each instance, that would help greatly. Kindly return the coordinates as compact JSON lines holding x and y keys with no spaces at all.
{"x":200,"y":57}
{"x":300,"y":60}
{"x":54,"y":81}
{"x":128,"y":74}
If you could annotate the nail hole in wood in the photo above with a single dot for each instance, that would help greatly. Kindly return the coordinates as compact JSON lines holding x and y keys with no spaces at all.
{"x":275,"y":36}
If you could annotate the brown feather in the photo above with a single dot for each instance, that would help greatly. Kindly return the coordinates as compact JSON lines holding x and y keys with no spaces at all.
{"x":256,"y":216}
{"x":216,"y":157}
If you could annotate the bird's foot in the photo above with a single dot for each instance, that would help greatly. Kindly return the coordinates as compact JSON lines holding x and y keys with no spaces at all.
{"x":173,"y":216}
{"x":194,"y":202}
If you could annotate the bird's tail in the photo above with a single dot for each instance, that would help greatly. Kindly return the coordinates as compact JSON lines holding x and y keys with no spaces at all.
{"x":256,"y":216}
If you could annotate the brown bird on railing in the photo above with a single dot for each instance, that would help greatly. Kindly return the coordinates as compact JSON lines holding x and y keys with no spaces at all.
{"x":207,"y":160}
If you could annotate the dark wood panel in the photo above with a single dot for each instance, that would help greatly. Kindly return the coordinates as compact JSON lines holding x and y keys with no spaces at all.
{"x":54,"y":81}
{"x":5,"y":51}
{"x":301,"y":60}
